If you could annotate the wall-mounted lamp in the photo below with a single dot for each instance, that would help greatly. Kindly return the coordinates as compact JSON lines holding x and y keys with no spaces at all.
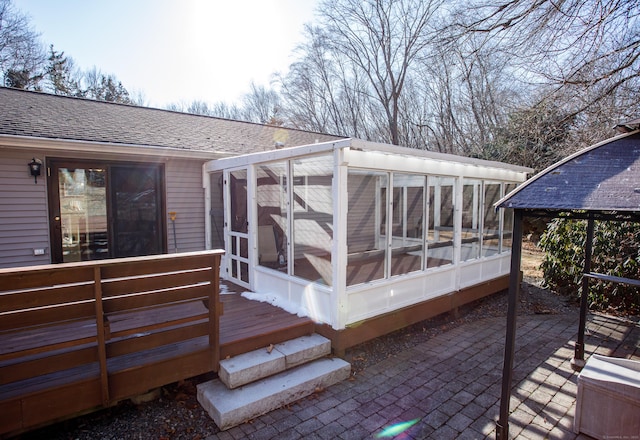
{"x":35,"y":168}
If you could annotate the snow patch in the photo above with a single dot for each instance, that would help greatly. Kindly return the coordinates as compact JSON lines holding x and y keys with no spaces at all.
{"x":224,"y":290}
{"x":276,"y":301}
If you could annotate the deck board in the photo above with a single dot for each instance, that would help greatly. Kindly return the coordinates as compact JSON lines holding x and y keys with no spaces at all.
{"x":244,"y":326}
{"x":248,"y":325}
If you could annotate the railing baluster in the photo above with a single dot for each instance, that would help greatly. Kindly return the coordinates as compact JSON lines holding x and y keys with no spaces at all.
{"x":100,"y":329}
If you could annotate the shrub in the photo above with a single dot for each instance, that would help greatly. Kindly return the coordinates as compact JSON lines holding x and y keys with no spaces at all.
{"x":615,"y":252}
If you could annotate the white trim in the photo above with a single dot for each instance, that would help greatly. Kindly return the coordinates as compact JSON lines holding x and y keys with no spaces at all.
{"x":132,"y":150}
{"x":206,"y":185}
{"x":275,"y":155}
{"x":385,"y":161}
{"x":414,"y":152}
{"x":339,"y":298}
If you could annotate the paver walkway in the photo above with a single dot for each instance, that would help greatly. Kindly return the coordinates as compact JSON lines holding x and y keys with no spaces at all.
{"x":449,"y":387}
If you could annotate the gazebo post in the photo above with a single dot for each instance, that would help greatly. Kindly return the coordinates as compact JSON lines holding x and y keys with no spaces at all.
{"x":502,"y":426}
{"x":577,"y":363}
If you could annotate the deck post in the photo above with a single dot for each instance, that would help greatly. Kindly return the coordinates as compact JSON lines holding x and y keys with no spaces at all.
{"x":339,"y":298}
{"x":577,"y":363}
{"x":502,"y":427}
{"x":215,"y":311}
{"x":101,"y":334}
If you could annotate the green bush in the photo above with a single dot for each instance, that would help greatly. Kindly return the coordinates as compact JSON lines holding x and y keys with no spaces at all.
{"x":616,"y":252}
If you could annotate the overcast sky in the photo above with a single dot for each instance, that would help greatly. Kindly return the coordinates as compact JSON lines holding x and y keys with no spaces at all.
{"x":176,"y":50}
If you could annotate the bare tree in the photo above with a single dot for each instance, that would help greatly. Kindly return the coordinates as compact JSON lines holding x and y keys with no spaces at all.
{"x":261,"y":105}
{"x":383,"y":39}
{"x":22,"y":56}
{"x":589,"y":48}
{"x":324,"y":92}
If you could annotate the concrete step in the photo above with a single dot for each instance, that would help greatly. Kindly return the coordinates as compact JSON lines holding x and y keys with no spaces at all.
{"x":229,"y":408}
{"x":249,"y":367}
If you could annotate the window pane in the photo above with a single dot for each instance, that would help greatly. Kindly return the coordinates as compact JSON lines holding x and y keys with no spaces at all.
{"x":491,"y":224}
{"x":366,"y":226}
{"x":271,"y":197}
{"x":83,"y":213}
{"x":136,"y":207}
{"x":238,"y":193}
{"x":408,"y":210}
{"x":507,"y":229}
{"x":313,"y":218}
{"x":471,"y":192}
{"x":440,"y":231}
{"x":217,"y":211}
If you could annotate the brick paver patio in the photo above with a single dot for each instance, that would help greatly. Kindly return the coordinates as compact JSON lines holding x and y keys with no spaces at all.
{"x":449,"y":387}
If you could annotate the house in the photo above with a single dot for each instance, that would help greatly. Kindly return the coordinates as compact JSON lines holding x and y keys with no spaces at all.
{"x":363,"y":237}
{"x":110,"y":176}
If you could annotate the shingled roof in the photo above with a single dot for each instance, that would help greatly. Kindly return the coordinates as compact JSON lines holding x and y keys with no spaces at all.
{"x":603,"y":177}
{"x":41,"y":115}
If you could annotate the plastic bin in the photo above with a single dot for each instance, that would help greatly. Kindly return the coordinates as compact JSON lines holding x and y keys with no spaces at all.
{"x":608,"y":400}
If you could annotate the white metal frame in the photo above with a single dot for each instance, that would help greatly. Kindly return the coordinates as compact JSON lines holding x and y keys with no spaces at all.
{"x":339,"y":305}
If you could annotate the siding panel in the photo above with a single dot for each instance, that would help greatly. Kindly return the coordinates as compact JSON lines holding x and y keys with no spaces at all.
{"x":23,"y":211}
{"x":185,"y":196}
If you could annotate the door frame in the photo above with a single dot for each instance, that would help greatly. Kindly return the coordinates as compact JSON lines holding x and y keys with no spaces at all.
{"x":236,"y":240}
{"x":53,"y":199}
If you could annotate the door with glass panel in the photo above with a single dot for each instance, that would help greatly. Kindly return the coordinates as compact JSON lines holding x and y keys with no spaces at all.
{"x":237,"y":226}
{"x":105,"y":210}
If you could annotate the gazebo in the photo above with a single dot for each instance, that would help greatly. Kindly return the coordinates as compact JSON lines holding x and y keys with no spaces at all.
{"x":347,"y":231}
{"x":601,"y":182}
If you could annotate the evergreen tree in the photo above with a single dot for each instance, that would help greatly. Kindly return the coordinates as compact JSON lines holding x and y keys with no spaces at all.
{"x":60,"y":75}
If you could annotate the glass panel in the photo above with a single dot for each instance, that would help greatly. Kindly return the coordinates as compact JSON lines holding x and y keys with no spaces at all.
{"x":408,"y":210}
{"x":491,"y":222}
{"x":471,"y":192}
{"x":238,"y":195}
{"x":366,"y":226}
{"x":244,"y":272}
{"x":507,"y":228}
{"x":313,"y":218}
{"x":217,"y":211}
{"x":440,"y":231}
{"x":271,"y":197}
{"x":83,"y":214}
{"x":136,"y":207}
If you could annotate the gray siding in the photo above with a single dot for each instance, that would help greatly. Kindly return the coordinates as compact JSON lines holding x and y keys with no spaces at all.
{"x":24,"y":215}
{"x":185,"y":196}
{"x":23,"y":212}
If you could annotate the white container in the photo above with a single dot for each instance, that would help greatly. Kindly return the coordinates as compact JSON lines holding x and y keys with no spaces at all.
{"x":608,"y":400}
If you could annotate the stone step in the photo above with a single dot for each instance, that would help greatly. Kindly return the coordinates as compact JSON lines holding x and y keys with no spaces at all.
{"x":231,"y":407}
{"x":249,"y":367}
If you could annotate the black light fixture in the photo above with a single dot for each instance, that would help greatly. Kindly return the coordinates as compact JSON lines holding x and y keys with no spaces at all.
{"x":35,"y":167}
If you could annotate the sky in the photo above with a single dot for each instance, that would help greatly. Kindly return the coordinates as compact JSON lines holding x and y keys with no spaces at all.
{"x":176,"y":51}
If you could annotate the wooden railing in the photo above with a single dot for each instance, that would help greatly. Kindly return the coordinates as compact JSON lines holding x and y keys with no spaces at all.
{"x":81,"y":336}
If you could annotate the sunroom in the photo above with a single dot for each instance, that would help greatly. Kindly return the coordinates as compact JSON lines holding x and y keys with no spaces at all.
{"x":350,"y":230}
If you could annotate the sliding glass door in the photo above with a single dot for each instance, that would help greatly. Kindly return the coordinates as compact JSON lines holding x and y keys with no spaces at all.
{"x":105,"y":210}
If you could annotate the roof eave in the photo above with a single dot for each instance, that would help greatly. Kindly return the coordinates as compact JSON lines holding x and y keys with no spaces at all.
{"x":132,"y":150}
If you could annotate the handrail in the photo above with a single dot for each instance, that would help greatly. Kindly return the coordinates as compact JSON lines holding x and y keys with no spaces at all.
{"x":105,"y":318}
{"x":612,"y":279}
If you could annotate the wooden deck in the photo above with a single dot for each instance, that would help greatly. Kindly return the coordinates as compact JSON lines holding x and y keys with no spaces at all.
{"x":248,"y":325}
{"x":78,"y":337}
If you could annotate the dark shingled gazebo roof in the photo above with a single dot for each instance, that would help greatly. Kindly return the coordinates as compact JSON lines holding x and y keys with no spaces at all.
{"x":600,"y":182}
{"x":603,"y":177}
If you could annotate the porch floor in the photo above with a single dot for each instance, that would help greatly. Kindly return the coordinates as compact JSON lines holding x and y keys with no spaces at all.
{"x":247,"y":325}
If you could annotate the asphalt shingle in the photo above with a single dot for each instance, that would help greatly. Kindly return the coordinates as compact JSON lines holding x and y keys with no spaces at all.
{"x":42,"y":115}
